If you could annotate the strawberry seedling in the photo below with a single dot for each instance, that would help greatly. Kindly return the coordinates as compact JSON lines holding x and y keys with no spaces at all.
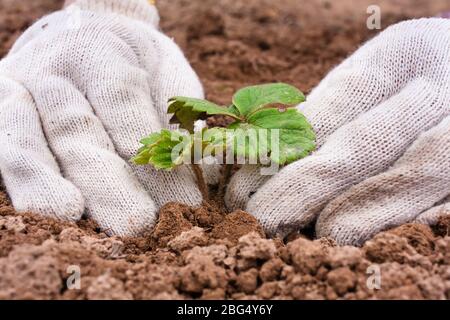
{"x":258,"y":112}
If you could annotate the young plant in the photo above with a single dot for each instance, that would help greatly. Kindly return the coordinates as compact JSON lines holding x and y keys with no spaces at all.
{"x":268,"y":108}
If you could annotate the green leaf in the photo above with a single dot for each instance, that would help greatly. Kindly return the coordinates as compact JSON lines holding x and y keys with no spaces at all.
{"x":151,"y":139}
{"x":261,"y":113}
{"x":251,"y":99}
{"x":188,"y":110}
{"x":142,"y":157}
{"x":234,"y":110}
{"x":164,"y":150}
{"x":294,"y":137}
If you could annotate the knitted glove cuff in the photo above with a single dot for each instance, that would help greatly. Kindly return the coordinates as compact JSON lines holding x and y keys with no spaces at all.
{"x":143,"y":10}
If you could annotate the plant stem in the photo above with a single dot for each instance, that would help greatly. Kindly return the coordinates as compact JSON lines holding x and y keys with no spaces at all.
{"x":201,"y":183}
{"x":227,"y":170}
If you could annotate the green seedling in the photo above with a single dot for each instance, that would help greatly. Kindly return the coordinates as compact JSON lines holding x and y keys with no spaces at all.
{"x":254,"y":110}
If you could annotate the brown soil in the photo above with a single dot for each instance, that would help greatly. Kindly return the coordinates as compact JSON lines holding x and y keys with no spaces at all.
{"x":203,"y":252}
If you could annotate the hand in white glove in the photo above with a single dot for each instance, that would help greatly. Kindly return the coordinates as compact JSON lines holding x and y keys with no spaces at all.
{"x":383,"y":123}
{"x":77,"y":92}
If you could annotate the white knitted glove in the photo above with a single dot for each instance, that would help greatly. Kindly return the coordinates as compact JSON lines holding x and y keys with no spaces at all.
{"x":77,"y":92}
{"x":383,"y":123}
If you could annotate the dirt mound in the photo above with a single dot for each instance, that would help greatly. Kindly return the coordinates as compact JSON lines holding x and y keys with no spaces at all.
{"x":204,"y":252}
{"x":182,"y":224}
{"x":188,"y":261}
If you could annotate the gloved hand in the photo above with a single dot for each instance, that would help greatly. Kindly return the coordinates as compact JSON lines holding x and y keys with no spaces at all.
{"x":383,"y":124}
{"x":78,"y":91}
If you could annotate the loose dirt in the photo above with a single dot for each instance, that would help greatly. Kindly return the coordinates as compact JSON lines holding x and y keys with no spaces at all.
{"x":218,"y":256}
{"x":204,"y":252}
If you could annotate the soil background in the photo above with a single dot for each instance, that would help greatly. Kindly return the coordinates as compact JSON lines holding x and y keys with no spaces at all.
{"x":204,"y":252}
